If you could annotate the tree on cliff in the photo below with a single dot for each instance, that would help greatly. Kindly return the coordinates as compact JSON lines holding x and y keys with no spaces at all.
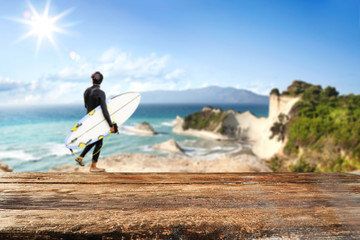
{"x":275,"y":91}
{"x":279,"y":128}
{"x":296,"y":88}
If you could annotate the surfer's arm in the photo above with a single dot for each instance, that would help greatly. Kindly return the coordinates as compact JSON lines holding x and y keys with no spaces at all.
{"x":85,"y":97}
{"x":105,"y":110}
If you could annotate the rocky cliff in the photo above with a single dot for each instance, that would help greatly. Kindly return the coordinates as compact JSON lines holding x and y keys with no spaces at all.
{"x":322,"y":133}
{"x":143,"y":128}
{"x":224,"y":125}
{"x":5,"y":168}
{"x":265,"y":147}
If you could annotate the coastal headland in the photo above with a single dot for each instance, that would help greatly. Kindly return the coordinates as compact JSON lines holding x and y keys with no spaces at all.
{"x":235,"y":196}
{"x":179,"y":206}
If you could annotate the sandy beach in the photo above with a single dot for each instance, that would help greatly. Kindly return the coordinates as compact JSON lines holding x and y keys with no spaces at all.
{"x":130,"y":162}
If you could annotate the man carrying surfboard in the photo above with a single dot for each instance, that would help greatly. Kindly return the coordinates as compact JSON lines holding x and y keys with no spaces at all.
{"x":93,"y":97}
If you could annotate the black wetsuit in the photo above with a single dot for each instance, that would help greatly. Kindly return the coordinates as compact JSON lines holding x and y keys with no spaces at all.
{"x":93,"y":97}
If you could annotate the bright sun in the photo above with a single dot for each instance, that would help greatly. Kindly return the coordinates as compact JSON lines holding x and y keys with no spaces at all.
{"x":42,"y":26}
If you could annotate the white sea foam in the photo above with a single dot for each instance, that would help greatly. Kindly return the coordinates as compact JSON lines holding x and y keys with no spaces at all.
{"x":223,"y":149}
{"x":197,"y":152}
{"x":146,"y":148}
{"x":126,"y":130}
{"x":208,"y":149}
{"x":57,"y":149}
{"x":17,"y":154}
{"x":167,"y":124}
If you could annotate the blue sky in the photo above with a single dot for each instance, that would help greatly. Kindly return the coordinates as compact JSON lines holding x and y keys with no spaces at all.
{"x":142,"y":45}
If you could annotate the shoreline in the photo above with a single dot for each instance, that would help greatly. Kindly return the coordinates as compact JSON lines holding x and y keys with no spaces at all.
{"x":135,"y":162}
{"x":42,"y":154}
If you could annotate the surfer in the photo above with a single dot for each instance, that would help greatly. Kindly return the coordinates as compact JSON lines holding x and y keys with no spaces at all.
{"x":93,"y":97}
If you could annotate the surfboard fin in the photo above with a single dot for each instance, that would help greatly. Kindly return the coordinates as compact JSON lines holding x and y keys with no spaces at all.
{"x":76,"y":127}
{"x":81,"y":145}
{"x":91,"y":112}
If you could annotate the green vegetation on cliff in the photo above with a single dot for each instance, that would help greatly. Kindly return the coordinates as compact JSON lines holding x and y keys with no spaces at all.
{"x":208,"y":119}
{"x":323,"y":133}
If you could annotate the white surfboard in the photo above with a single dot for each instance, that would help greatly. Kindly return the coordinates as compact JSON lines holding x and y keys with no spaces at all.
{"x":93,"y":126}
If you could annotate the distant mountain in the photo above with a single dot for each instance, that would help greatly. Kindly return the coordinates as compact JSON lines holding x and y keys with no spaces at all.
{"x":207,"y":95}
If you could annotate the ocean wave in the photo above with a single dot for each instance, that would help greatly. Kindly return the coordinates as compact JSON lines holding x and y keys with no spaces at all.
{"x":168,"y":124}
{"x":212,"y":145}
{"x":204,"y":155}
{"x":225,"y":149}
{"x":17,"y":154}
{"x":172,"y":123}
{"x":146,"y":148}
{"x":57,"y":149}
{"x":198,"y":152}
{"x":126,"y":130}
{"x":207,"y":151}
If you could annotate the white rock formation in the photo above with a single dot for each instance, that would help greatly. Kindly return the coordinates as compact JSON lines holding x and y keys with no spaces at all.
{"x":143,"y":128}
{"x":5,"y":168}
{"x":257,"y":130}
{"x":171,"y":123}
{"x":169,"y":146}
{"x":265,"y":147}
{"x":194,"y":132}
{"x":248,"y":127}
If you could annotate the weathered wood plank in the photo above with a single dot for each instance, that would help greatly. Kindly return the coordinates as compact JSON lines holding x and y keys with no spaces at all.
{"x":179,"y":205}
{"x":174,"y":178}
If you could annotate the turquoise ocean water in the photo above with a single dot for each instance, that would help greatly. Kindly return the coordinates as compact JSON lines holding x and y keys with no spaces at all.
{"x":32,"y":138}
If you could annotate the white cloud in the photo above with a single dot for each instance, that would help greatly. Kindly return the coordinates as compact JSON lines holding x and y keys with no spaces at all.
{"x":140,"y":68}
{"x":176,"y":74}
{"x":109,"y":55}
{"x":204,"y":85}
{"x":139,"y":87}
{"x":128,"y":79}
{"x":122,"y":72}
{"x":186,"y":87}
{"x":32,"y":98}
{"x":115,"y":90}
{"x":62,"y":89}
{"x":259,"y":87}
{"x":7,"y":84}
{"x":38,"y":91}
{"x":150,"y":86}
{"x":115,"y":64}
{"x":34,"y":85}
{"x":77,"y":71}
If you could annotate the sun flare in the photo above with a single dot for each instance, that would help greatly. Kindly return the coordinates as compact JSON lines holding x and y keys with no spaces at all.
{"x":42,"y":26}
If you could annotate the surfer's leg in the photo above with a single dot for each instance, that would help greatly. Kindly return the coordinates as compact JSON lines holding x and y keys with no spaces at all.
{"x":82,"y":155}
{"x":79,"y":160}
{"x":87,"y":149}
{"x":97,"y":149}
{"x":95,"y":158}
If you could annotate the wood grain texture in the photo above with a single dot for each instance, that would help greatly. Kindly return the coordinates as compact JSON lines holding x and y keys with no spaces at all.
{"x":179,"y":206}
